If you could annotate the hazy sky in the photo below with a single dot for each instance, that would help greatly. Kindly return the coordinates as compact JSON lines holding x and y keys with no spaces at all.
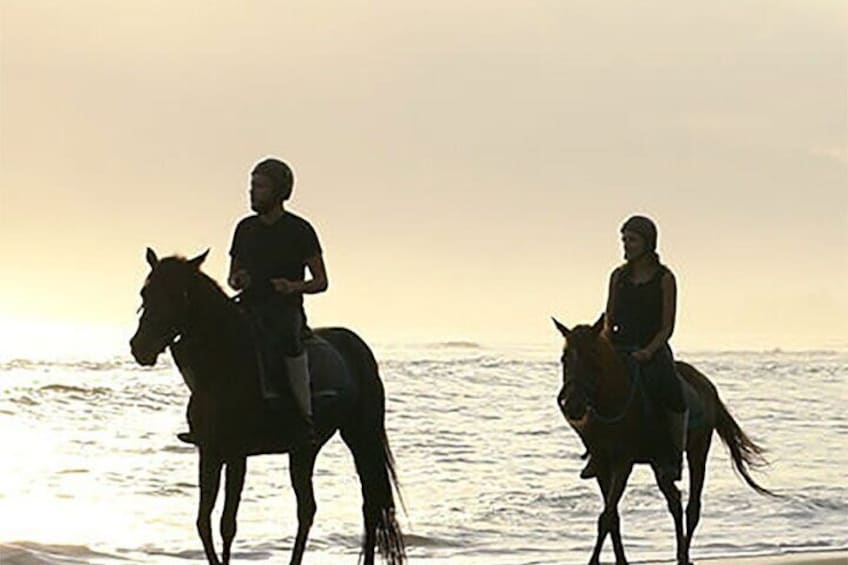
{"x":467,"y":164}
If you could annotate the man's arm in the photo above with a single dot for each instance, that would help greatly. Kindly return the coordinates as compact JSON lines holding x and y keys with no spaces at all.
{"x":238,"y":279}
{"x":317,"y":283}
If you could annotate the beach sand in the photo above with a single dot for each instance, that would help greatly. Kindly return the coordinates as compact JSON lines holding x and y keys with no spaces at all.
{"x":810,"y":558}
{"x":13,"y":554}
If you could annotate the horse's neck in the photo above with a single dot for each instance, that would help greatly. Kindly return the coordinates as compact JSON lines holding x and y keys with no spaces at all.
{"x":213,"y":321}
{"x":614,"y":385}
{"x":214,"y":339}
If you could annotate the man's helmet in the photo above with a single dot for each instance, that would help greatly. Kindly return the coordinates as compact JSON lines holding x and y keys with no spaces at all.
{"x":279,"y":173}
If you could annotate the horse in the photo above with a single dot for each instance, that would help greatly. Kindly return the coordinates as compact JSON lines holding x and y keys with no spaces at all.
{"x":605,"y":407}
{"x":210,"y":338}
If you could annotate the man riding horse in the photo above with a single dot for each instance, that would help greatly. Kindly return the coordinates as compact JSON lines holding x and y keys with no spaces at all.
{"x":269,"y":253}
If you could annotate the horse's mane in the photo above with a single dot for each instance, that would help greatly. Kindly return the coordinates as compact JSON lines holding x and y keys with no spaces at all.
{"x":209,"y":287}
{"x":596,"y":349}
{"x":584,"y":338}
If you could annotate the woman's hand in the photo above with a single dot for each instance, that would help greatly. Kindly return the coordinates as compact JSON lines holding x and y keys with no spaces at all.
{"x":642,"y":355}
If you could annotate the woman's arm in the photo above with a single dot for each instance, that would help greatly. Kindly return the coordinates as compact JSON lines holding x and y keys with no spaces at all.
{"x":669,"y":306}
{"x":613,"y":283}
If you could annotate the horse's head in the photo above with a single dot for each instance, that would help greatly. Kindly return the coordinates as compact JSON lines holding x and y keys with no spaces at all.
{"x":164,"y":305}
{"x":581,"y":365}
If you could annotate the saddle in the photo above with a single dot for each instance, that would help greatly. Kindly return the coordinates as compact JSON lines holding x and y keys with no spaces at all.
{"x":661,"y":426}
{"x":333,"y":386}
{"x":329,"y":374}
{"x":650,"y":405}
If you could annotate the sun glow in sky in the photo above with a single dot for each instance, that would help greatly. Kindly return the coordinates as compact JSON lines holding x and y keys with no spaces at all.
{"x":47,"y":339}
{"x":467,"y":164}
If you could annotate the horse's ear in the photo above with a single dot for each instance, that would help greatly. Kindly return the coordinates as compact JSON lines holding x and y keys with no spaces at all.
{"x":198,"y":261}
{"x":562,"y":329}
{"x":152,"y":260}
{"x":599,"y":325}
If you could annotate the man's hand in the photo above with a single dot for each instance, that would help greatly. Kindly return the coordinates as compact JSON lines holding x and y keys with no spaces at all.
{"x":642,"y":355}
{"x":239,"y":280}
{"x":283,"y":286}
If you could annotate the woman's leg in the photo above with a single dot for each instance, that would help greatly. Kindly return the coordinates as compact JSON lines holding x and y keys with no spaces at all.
{"x":669,"y":411}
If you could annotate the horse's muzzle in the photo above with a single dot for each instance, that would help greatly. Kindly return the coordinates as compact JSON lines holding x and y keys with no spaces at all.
{"x":579,"y":423}
{"x":574,"y":409}
{"x":144,"y":354}
{"x":143,"y":358}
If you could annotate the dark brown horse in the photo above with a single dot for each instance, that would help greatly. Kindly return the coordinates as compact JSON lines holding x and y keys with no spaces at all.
{"x":211,"y":340}
{"x":601,"y":402}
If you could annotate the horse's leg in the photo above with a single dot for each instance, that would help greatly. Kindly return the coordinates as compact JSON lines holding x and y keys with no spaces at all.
{"x":301,"y":464}
{"x":696,"y":457}
{"x":210,"y":480}
{"x":612,"y":481}
{"x":235,"y":482}
{"x":672,"y":498}
{"x":615,"y":534}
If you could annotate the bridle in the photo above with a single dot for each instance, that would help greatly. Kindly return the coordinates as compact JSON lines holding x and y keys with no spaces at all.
{"x":589,"y":389}
{"x":177,"y":327}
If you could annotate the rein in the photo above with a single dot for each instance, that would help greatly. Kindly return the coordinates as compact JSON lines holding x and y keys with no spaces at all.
{"x":178,"y":329}
{"x":635,"y":385}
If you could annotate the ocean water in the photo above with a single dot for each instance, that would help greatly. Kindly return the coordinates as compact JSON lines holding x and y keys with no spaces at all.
{"x":91,"y":472}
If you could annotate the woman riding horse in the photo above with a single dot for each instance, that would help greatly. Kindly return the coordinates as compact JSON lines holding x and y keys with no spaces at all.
{"x":639,"y":321}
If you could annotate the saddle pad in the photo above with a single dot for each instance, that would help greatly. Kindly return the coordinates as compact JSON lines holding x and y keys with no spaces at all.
{"x":330,"y":377}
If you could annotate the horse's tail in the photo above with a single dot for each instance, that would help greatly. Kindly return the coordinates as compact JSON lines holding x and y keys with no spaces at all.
{"x":744,"y":452}
{"x":389,"y":536}
{"x":365,"y":434}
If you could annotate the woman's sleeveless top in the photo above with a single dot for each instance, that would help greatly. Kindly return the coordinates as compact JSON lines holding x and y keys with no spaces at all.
{"x":637,"y":310}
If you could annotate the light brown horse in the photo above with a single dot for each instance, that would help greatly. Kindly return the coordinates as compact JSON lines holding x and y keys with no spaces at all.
{"x":604,"y":406}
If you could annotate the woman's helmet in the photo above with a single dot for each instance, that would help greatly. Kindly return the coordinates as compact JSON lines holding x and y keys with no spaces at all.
{"x":645,"y":227}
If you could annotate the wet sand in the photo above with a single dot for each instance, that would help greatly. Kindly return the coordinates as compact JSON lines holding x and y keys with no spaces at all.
{"x":812,"y":558}
{"x":836,"y":557}
{"x":15,"y":554}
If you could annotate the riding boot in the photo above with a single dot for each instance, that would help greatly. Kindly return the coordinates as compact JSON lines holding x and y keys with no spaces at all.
{"x":672,"y":464}
{"x":299,"y":381}
{"x":266,"y":387}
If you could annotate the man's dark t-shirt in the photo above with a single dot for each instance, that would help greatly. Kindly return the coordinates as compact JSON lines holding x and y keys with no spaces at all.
{"x":278,"y":250}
